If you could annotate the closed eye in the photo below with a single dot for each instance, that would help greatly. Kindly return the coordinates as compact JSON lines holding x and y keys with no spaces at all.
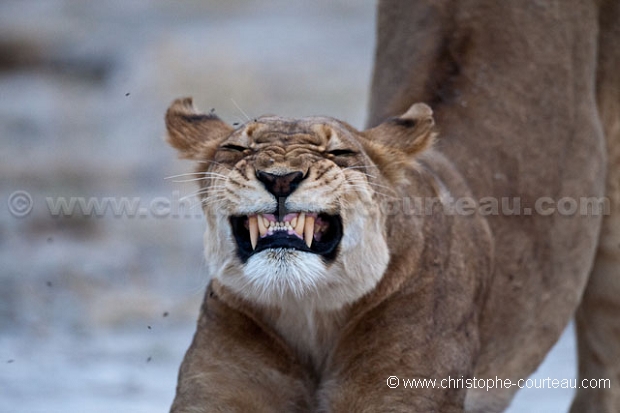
{"x":235,"y":148}
{"x":341,"y":152}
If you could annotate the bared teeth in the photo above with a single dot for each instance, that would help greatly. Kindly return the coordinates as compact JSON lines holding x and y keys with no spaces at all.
{"x":299,"y":225}
{"x":304,"y":226}
{"x":253,"y":227}
{"x":309,"y":230}
{"x":262,"y":227}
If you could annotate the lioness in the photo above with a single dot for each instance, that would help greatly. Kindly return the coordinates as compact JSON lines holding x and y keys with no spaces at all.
{"x":332,"y":282}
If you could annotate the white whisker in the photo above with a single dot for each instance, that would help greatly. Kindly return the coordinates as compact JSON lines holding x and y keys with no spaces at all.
{"x":203,"y":178}
{"x":373,"y":184}
{"x":374,"y":191}
{"x":240,"y":110}
{"x":202,"y":174}
{"x":360,"y":167}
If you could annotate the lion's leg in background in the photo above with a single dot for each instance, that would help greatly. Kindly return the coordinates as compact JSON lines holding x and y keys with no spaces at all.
{"x":598,"y":317}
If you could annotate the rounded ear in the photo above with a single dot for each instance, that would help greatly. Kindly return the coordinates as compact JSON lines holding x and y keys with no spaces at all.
{"x":393,"y":144}
{"x":195,"y":135}
{"x":411,"y":133}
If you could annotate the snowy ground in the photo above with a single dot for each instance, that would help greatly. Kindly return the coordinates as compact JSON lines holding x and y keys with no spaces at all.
{"x":97,"y":311}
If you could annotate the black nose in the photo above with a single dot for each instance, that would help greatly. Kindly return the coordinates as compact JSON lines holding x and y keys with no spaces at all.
{"x":280,"y":185}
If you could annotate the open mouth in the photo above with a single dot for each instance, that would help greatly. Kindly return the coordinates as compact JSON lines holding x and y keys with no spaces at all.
{"x":308,"y":232}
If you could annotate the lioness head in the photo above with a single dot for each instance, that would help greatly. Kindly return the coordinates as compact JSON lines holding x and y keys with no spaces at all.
{"x":291,"y":206}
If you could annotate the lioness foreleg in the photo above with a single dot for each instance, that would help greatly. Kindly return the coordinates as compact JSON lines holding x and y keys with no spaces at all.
{"x":235,"y":366}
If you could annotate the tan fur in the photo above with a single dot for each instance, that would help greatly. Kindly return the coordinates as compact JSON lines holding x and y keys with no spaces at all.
{"x":421,"y":294}
{"x":598,"y":321}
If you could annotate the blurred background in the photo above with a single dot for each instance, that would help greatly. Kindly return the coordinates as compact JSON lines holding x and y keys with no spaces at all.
{"x":97,"y":308}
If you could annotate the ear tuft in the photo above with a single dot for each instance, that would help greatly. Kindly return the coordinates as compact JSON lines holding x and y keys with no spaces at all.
{"x":195,"y":135}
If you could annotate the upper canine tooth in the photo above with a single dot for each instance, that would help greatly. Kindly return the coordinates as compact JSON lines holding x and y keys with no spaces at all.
{"x":262,"y":228}
{"x":299,"y":228}
{"x":309,"y":231}
{"x":293,"y":222}
{"x":253,"y":226}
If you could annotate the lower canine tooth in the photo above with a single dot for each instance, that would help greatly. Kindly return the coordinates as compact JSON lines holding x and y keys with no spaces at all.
{"x":253,"y":227}
{"x":309,"y":231}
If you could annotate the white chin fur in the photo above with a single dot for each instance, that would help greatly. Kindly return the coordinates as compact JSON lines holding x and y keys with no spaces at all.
{"x":277,"y":275}
{"x":285,"y":277}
